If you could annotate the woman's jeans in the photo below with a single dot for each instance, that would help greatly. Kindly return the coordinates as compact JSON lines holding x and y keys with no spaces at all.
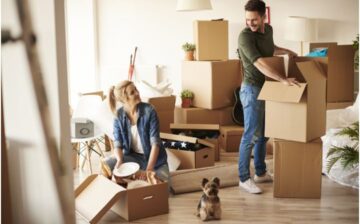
{"x":162,"y":172}
{"x":254,"y":121}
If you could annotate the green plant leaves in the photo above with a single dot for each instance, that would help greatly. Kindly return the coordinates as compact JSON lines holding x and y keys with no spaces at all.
{"x":348,"y":155}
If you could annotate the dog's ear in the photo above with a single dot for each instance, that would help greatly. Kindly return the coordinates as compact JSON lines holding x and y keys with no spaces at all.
{"x":216,"y":180}
{"x":204,"y":181}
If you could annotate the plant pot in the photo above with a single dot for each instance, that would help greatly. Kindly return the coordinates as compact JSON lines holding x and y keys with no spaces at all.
{"x":189,"y":55}
{"x":186,"y":102}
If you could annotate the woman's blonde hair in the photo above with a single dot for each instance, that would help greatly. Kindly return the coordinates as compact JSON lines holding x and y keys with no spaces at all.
{"x":118,"y":93}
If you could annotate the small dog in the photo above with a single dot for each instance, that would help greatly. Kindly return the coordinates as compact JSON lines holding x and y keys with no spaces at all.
{"x":209,"y":204}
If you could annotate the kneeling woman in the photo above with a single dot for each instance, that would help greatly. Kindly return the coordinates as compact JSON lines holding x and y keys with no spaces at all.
{"x":136,"y":132}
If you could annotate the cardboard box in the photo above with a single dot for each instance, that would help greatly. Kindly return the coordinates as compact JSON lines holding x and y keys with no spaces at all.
{"x":230,"y":137}
{"x":270,"y":147}
{"x":195,"y":115}
{"x":212,"y":82}
{"x":211,"y":40}
{"x":164,"y":107}
{"x":296,"y":113}
{"x":297,"y":169}
{"x":193,"y":128}
{"x":97,"y":194}
{"x":339,"y":70}
{"x":165,"y":118}
{"x":339,"y":105}
{"x":192,"y":159}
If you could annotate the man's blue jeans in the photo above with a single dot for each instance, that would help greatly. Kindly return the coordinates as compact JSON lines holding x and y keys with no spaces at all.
{"x":253,"y":136}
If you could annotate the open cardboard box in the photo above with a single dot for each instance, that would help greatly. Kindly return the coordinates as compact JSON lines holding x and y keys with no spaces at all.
{"x":338,"y":67}
{"x":213,"y":128}
{"x":192,"y":159}
{"x":97,"y":194}
{"x":297,"y":169}
{"x":296,"y":113}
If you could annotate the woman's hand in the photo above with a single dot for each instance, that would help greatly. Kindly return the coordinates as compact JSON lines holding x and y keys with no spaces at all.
{"x":142,"y":176}
{"x":118,"y":164}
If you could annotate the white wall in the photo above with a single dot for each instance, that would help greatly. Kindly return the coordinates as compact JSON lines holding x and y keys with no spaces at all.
{"x":81,"y":48}
{"x":159,"y":31}
{"x":33,"y":188}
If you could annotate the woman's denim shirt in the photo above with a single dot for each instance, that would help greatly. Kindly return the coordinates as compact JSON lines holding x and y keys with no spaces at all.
{"x":148,"y":129}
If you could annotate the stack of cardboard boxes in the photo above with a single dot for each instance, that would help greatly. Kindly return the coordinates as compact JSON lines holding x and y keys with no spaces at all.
{"x":212,"y":78}
{"x":295,"y":116}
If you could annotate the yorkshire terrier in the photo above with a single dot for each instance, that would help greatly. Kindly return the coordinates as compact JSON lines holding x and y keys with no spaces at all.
{"x":209,"y":204}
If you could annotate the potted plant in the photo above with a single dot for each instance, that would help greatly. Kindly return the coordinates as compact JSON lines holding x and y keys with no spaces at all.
{"x":189,"y":51}
{"x":186,"y":98}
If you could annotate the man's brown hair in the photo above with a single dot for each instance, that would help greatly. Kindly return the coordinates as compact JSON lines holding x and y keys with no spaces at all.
{"x":256,"y":6}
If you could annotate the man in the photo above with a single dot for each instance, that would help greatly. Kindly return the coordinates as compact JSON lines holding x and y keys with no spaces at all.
{"x":255,"y":43}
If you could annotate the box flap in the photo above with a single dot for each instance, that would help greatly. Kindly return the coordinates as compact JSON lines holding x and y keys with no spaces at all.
{"x":185,"y":139}
{"x":276,"y":91}
{"x":311,"y":71}
{"x":206,"y":142}
{"x":195,"y":126}
{"x":178,"y":137}
{"x":95,"y":196}
{"x":277,"y":63}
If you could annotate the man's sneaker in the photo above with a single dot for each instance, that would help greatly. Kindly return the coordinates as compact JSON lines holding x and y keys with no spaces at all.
{"x":250,"y":186}
{"x":264,"y":178}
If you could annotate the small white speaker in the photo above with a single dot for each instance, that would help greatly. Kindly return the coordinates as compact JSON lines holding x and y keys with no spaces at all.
{"x":82,"y":128}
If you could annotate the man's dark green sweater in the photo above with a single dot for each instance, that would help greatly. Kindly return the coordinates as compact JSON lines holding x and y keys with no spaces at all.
{"x":253,"y":45}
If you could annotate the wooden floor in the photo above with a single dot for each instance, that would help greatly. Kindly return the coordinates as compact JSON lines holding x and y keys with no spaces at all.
{"x":338,"y":204}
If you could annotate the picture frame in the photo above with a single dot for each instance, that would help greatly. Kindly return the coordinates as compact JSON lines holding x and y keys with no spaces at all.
{"x":267,"y":15}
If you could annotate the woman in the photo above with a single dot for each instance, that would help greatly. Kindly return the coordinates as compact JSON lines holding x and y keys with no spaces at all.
{"x":136,"y":132}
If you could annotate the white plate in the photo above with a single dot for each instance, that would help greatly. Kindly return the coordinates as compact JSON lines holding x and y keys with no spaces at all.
{"x":126,"y":169}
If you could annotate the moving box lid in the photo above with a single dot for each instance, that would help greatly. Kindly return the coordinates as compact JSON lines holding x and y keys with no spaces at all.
{"x":195,"y":126}
{"x":276,"y":91}
{"x":312,"y":71}
{"x":95,"y":196}
{"x":186,"y":139}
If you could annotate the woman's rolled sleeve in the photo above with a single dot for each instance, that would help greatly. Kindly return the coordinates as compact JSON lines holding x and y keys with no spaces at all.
{"x":154,"y":128}
{"x":117,"y":135}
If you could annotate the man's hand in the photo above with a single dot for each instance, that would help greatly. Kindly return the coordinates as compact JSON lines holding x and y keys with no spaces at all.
{"x":291,"y":54}
{"x":289,"y":81}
